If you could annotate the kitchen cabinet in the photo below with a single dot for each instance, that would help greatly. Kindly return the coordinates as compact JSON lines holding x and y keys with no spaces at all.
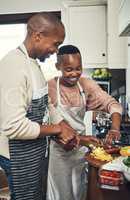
{"x":117,"y":46}
{"x":124,"y":18}
{"x":3,"y":180}
{"x":86,"y":28}
{"x":4,"y":190}
{"x":128,"y":79}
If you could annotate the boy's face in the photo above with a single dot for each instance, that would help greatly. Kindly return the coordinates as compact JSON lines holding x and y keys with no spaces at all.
{"x":71,"y":68}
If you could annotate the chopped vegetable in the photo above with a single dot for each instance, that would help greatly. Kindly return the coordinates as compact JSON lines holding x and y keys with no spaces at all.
{"x":100,"y":154}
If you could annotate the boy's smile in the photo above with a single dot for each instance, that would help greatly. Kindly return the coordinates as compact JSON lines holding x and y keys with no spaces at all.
{"x":71,"y":68}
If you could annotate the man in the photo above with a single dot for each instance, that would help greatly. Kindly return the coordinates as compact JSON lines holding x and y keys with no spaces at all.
{"x":24,"y":111}
{"x":73,"y":95}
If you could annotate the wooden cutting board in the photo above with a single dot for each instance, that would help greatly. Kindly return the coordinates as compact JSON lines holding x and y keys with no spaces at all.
{"x":94,"y":162}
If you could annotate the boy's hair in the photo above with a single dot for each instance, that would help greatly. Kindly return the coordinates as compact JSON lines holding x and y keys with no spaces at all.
{"x":68,"y":49}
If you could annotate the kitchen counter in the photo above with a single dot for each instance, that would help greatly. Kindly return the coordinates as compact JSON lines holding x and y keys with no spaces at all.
{"x":3,"y":180}
{"x":94,"y":192}
{"x":4,"y":190}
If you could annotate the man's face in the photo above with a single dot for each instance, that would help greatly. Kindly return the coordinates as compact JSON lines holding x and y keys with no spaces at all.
{"x":71,"y":69}
{"x":48,"y":45}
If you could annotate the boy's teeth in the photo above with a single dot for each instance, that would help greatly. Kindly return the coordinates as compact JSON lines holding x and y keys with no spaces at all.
{"x":73,"y":79}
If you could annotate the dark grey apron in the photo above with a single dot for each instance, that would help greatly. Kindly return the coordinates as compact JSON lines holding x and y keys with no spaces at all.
{"x":29,"y":160}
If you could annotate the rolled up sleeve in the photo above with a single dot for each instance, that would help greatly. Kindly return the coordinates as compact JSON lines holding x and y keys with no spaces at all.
{"x":99,"y":100}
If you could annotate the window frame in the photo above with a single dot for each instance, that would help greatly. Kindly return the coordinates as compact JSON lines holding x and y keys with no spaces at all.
{"x":20,"y":17}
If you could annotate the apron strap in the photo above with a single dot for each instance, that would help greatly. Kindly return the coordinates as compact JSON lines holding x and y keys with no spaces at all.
{"x":58,"y":91}
{"x":82,"y":93}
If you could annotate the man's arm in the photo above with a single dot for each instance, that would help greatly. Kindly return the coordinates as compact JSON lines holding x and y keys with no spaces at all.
{"x":64,"y":133}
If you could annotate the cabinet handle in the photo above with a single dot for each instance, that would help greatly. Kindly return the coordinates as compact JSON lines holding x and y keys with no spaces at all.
{"x":103,"y":54}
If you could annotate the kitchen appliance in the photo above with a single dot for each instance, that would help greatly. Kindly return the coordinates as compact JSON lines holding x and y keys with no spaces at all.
{"x":105,"y":85}
{"x":103,"y":123}
{"x":122,"y":101}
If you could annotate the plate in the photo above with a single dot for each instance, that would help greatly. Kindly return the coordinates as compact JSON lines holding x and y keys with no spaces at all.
{"x":94,"y":162}
{"x":113,"y":151}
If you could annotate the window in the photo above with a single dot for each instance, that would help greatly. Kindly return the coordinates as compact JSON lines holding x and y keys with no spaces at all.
{"x":48,"y":67}
{"x":12,"y":34}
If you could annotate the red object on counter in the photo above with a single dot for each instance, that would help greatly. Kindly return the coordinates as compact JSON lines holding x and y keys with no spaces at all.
{"x":113,"y":178}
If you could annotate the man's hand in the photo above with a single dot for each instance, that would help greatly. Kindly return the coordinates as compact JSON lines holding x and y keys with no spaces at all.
{"x":67,"y":134}
{"x":72,"y":144}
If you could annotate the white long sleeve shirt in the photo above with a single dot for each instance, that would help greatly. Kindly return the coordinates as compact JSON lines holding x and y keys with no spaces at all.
{"x":15,"y":96}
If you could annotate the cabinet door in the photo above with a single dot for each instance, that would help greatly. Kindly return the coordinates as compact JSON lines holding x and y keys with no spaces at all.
{"x":128,"y":78}
{"x":86,"y":28}
{"x":117,"y":46}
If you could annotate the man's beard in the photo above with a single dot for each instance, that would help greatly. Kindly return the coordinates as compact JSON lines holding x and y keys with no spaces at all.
{"x":43,"y":58}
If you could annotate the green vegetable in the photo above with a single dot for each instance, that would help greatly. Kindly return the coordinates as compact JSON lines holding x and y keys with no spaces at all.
{"x":127,"y":161}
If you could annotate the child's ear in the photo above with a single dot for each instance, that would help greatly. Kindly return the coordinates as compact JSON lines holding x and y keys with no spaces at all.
{"x":57,"y":66}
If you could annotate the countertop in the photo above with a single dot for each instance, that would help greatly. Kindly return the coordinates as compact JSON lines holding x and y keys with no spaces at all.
{"x":95,"y":192}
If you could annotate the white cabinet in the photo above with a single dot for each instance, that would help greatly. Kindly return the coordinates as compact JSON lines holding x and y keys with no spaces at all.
{"x":124,"y":18}
{"x":128,"y":77}
{"x":86,"y":28}
{"x":117,"y":46}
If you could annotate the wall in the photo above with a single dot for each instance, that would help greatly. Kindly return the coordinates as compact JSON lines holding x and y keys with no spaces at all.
{"x":15,"y":6}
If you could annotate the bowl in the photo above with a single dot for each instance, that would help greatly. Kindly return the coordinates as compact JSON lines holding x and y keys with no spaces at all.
{"x":126,"y":171}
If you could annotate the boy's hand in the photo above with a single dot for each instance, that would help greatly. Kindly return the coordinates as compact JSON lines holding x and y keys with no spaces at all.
{"x":112,"y":135}
{"x":88,"y":139}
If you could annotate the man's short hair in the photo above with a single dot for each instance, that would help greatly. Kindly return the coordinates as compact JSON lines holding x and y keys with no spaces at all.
{"x":43,"y":22}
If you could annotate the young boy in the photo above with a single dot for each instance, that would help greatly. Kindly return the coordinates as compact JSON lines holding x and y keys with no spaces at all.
{"x":73,"y":95}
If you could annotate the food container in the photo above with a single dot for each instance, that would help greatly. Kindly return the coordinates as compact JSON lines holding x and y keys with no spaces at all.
{"x":110,"y":179}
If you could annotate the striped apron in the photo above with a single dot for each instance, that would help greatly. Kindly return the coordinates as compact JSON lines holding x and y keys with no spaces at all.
{"x":29,"y":158}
